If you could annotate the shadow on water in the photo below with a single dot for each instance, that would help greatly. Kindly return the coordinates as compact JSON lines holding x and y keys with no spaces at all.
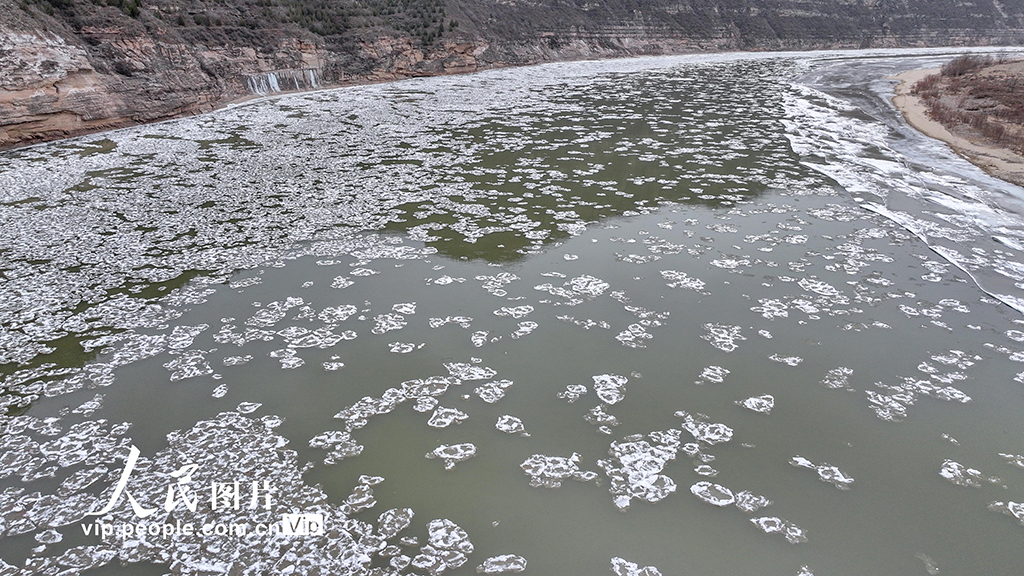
{"x":68,"y":351}
{"x":626,"y":145}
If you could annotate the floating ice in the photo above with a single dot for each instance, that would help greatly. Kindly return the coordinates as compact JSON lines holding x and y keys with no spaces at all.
{"x":947,"y":393}
{"x":705,"y":470}
{"x":598,"y":417}
{"x":826,"y":473}
{"x":549,"y":471}
{"x":433,"y":386}
{"x":888,"y":407}
{"x":478,"y":338}
{"x":788,"y":360}
{"x":822,"y":288}
{"x":388,"y":322}
{"x":730,"y":262}
{"x":446,"y":549}
{"x":525,"y":327}
{"x":514,"y":311}
{"x":622,"y":567}
{"x":637,"y":258}
{"x":491,"y":392}
{"x":361,"y":497}
{"x":425,"y":404}
{"x":837,"y":378}
{"x":961,"y":475}
{"x":1014,"y":509}
{"x":569,"y":298}
{"x":587,"y":286}
{"x":610,"y":388}
{"x":762,"y":404}
{"x":336,"y":314}
{"x":496,"y":284}
{"x":50,"y":536}
{"x":453,"y":454}
{"x":340,"y":282}
{"x":248,"y":407}
{"x":444,"y":417}
{"x":511,"y":425}
{"x":463,"y":321}
{"x":189,"y":364}
{"x":714,"y":374}
{"x":339,"y":445}
{"x":89,"y":406}
{"x":405,"y":347}
{"x":261,"y":458}
{"x":503,"y":564}
{"x":634,"y":469}
{"x":393,"y":521}
{"x":723,"y":336}
{"x":236,"y":360}
{"x":1013,"y":459}
{"x":704,"y":431}
{"x":572,"y":392}
{"x":774,"y":525}
{"x":750,"y":502}
{"x":320,"y":338}
{"x":287,"y":358}
{"x":585,"y":324}
{"x":771,"y":308}
{"x":678,"y":279}
{"x":806,"y":307}
{"x":633,"y":336}
{"x":464,"y":371}
{"x":714,"y":494}
{"x":445,"y":280}
{"x":181,"y":337}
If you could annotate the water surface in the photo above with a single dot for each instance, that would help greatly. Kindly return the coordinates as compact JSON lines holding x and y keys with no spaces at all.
{"x":711,"y":314}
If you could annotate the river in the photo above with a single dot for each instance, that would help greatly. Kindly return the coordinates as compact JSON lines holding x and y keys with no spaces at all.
{"x":709,"y":314}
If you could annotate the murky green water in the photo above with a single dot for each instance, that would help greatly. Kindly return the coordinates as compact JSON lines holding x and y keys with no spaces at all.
{"x":744,"y":319}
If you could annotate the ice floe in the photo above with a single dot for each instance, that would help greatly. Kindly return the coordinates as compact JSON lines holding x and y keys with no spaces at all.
{"x":634,"y":469}
{"x":826,"y":473}
{"x":511,"y":425}
{"x":774,"y":525}
{"x":723,"y":336}
{"x":704,"y":431}
{"x":453,"y":454}
{"x":762,"y":404}
{"x":503,"y":564}
{"x":550,"y":471}
{"x":623,"y":567}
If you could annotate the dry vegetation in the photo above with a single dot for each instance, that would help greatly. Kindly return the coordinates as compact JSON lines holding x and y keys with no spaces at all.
{"x":980,"y":98}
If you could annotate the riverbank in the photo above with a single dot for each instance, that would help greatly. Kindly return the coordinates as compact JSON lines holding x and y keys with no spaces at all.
{"x":71,"y":67}
{"x":998,"y":161}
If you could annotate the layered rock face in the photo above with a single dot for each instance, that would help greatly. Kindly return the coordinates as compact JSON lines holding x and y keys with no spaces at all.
{"x":73,"y":66}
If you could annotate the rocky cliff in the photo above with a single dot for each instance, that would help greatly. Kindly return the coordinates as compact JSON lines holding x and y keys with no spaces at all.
{"x":73,"y":66}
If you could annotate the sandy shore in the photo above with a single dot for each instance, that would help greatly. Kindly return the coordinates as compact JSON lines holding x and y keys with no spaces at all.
{"x":999,"y":162}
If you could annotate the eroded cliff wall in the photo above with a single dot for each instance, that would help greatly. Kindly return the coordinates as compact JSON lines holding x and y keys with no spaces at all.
{"x":74,"y":66}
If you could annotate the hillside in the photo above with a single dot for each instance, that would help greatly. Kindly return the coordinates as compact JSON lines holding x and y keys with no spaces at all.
{"x":74,"y":66}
